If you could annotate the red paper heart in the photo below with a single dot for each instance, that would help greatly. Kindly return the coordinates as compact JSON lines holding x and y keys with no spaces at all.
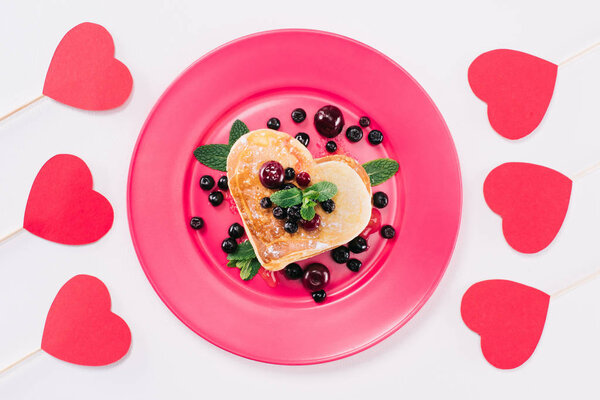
{"x":83,"y":72}
{"x":62,"y":207}
{"x":517,"y":88}
{"x":508,"y":316}
{"x":81,"y":329}
{"x":532,"y":201}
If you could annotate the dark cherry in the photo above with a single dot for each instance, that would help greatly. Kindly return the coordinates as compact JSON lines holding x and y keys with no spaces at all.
{"x":354,"y":265}
{"x":310,"y":225}
{"x":289,"y":174}
{"x":215,"y":198}
{"x":316,"y":276}
{"x":328,"y":206}
{"x":293,"y":213}
{"x":290,"y":226}
{"x":303,"y":138}
{"x":266,"y":202}
{"x":354,"y":133}
{"x":340,"y":254}
{"x":229,"y":245}
{"x":319,"y":296}
{"x":364,"y":122}
{"x":303,"y":179}
{"x":298,"y":115}
{"x":271,"y":174}
{"x":222,"y":183}
{"x":358,"y":245}
{"x":387,"y":232}
{"x":196,"y":222}
{"x":329,"y":121}
{"x":380,"y":199}
{"x":207,"y":182}
{"x":236,"y":231}
{"x":375,"y":137}
{"x":273,"y":123}
{"x":331,"y":146}
{"x":293,"y":271}
{"x":279,"y":213}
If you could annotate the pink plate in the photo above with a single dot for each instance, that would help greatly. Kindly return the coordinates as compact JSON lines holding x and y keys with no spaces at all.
{"x":268,"y":75}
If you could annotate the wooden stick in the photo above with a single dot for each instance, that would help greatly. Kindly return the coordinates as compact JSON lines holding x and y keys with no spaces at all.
{"x":3,"y":370}
{"x":6,"y":237}
{"x":575,"y":284}
{"x":580,"y":54}
{"x":22,"y":107}
{"x":585,"y":171}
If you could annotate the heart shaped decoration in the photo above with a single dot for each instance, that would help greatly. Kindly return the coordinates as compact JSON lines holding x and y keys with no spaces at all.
{"x":274,"y":247}
{"x":532,"y":201}
{"x":81,"y":329}
{"x":83,"y":72}
{"x":62,"y":206}
{"x":517,"y":88}
{"x":508,"y":316}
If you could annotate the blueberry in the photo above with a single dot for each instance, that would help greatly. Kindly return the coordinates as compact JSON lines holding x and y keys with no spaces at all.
{"x":236,"y":231}
{"x":229,"y":245}
{"x":222,"y":183}
{"x":319,"y":296}
{"x":289,"y":174}
{"x":290,"y":226}
{"x":340,"y":254}
{"x":293,"y":271}
{"x":364,"y":122}
{"x":266,"y":202}
{"x":380,"y":199}
{"x":328,"y":206}
{"x":279,"y":213}
{"x":358,"y":245}
{"x":293,"y":212}
{"x":354,"y":133}
{"x":196,"y":222}
{"x":288,"y":186}
{"x":298,"y":115}
{"x":331,"y":147}
{"x":387,"y":232}
{"x":375,"y":137}
{"x":215,"y":198}
{"x":273,"y":123}
{"x":354,"y":265}
{"x":207,"y":182}
{"x":303,"y":138}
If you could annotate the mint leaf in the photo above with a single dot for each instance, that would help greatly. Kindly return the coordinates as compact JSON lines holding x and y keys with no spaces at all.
{"x":287,"y":198}
{"x":241,"y":264}
{"x":232,"y":264}
{"x":310,"y":195}
{"x":237,"y":130}
{"x":307,"y":211}
{"x":250,"y":270}
{"x":244,"y":251}
{"x":381,"y":170}
{"x":326,"y":190}
{"x":213,"y":156}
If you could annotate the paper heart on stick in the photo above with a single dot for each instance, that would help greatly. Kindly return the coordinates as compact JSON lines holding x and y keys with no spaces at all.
{"x":62,"y":206}
{"x":517,"y":88}
{"x":508,"y":316}
{"x":531,"y":199}
{"x":81,"y":329}
{"x":83,"y":72}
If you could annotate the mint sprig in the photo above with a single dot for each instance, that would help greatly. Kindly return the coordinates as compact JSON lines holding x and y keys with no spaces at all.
{"x":381,"y":170}
{"x":215,"y":155}
{"x":245,"y":260}
{"x":308,"y":198}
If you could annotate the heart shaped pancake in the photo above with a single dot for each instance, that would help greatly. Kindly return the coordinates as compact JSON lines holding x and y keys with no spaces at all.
{"x":274,"y":247}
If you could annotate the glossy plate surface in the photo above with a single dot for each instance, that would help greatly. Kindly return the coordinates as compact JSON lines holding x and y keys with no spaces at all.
{"x":268,"y":75}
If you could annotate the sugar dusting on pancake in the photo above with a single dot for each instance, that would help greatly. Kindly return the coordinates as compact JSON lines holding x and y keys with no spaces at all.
{"x":274,"y":247}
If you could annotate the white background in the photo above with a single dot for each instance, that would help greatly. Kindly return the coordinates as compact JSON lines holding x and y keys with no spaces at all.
{"x":434,"y":354}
